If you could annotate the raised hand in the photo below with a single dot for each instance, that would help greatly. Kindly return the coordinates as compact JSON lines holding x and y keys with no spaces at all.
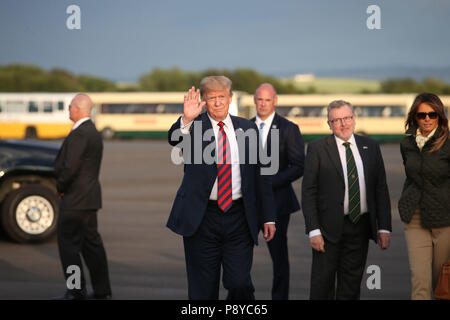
{"x":192,"y":107}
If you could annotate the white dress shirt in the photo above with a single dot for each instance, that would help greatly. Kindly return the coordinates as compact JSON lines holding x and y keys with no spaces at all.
{"x":235,"y":166}
{"x":79,"y":122}
{"x":361,"y":178}
{"x":359,"y":168}
{"x":265,"y":130}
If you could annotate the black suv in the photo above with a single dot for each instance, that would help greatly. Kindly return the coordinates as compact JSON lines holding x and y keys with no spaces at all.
{"x":28,"y":199}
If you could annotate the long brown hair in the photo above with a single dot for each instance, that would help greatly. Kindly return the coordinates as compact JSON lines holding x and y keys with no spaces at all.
{"x":433,"y":101}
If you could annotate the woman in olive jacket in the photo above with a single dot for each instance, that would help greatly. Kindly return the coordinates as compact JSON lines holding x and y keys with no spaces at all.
{"x":424,"y":205}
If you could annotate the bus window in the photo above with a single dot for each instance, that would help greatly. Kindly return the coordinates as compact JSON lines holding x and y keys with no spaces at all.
{"x":15,"y":107}
{"x":302,"y":111}
{"x":32,"y":106}
{"x":290,"y":112}
{"x":313,"y":111}
{"x":60,"y":106}
{"x":397,"y":111}
{"x":387,"y":112}
{"x":160,"y":108}
{"x":142,"y":108}
{"x":372,"y":111}
{"x":174,"y":108}
{"x":48,"y":107}
{"x":112,"y":108}
{"x":380,"y":111}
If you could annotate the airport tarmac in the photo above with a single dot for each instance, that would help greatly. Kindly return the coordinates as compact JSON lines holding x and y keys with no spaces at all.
{"x":146,"y":259}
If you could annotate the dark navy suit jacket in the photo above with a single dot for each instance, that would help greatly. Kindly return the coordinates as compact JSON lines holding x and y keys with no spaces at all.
{"x":192,"y":197}
{"x":292,"y":163}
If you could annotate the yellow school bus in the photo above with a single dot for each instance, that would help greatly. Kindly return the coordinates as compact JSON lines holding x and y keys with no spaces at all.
{"x":34,"y":115}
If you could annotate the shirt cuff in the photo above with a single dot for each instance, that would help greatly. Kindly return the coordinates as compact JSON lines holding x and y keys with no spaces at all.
{"x":270,"y":222}
{"x":315,"y":232}
{"x":383,"y":231}
{"x":185,"y":128}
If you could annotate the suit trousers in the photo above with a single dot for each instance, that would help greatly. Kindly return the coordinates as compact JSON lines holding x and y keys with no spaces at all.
{"x":222,"y":240}
{"x":343,"y":261}
{"x":428,"y":250}
{"x":78,"y":236}
{"x":278,"y":249}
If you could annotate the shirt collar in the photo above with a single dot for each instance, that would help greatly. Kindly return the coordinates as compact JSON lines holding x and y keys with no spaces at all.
{"x":421,"y":140}
{"x":340,"y":142}
{"x":79,"y":122}
{"x":267,"y":122}
{"x":418,"y":133}
{"x":227,"y":121}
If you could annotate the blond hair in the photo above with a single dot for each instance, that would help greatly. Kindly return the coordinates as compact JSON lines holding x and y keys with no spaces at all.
{"x":215,"y":83}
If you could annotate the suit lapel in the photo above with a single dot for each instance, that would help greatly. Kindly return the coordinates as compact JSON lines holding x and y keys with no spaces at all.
{"x":62,"y":149}
{"x":333,"y":153}
{"x":206,"y":125}
{"x":242,"y":157}
{"x":274,"y":125}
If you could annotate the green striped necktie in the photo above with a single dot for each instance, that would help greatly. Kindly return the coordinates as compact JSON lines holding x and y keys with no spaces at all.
{"x":354,"y":207}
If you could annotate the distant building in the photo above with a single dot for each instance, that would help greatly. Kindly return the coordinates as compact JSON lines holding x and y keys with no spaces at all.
{"x":305,"y":77}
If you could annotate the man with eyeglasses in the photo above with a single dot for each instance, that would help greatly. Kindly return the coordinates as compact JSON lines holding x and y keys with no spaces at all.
{"x":345,"y":202}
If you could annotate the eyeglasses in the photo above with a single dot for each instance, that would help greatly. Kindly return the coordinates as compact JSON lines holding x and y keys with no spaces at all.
{"x":342,"y":120}
{"x":423,"y":115}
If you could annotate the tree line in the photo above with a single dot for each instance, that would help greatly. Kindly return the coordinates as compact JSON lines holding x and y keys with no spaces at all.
{"x":29,"y":78}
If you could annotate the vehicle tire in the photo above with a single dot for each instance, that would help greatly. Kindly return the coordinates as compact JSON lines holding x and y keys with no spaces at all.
{"x":30,"y":214}
{"x":108,"y":133}
{"x":31,"y":133}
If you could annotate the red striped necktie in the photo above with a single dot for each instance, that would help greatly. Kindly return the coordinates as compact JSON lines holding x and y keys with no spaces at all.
{"x":224,"y":185}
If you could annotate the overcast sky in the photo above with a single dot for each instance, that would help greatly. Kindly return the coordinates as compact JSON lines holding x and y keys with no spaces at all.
{"x":121,"y":39}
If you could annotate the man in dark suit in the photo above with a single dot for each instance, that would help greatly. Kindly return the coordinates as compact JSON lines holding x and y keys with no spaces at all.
{"x":215,"y":208}
{"x":291,"y":163}
{"x":77,"y":169}
{"x":345,"y":203}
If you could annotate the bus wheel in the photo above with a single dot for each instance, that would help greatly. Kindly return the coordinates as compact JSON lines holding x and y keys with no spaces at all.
{"x":30,"y":133}
{"x":30,"y":213}
{"x":107,"y":133}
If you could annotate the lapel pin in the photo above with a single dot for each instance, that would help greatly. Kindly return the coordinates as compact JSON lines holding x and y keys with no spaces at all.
{"x":365,"y":147}
{"x":274,"y":126}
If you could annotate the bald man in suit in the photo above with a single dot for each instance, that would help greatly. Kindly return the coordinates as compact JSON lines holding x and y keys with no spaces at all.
{"x":77,"y":168}
{"x":291,"y":159}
